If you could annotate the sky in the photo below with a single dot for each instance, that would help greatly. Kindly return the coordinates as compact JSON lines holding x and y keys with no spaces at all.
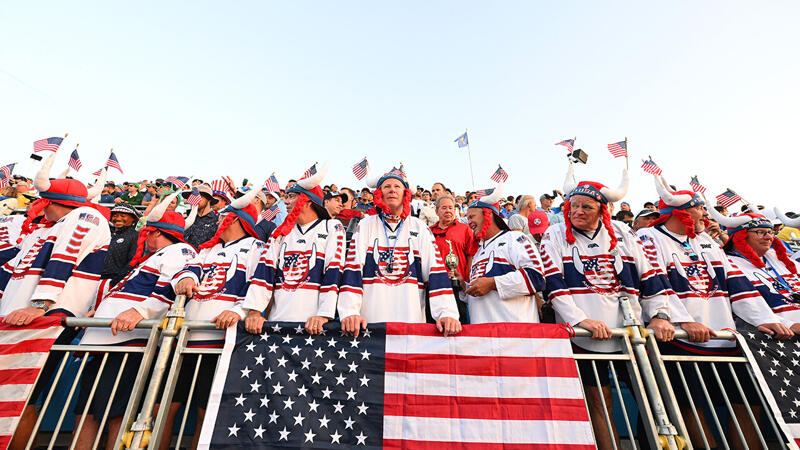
{"x":245,"y":89}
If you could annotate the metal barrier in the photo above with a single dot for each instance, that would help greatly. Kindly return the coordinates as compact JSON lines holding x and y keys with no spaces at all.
{"x":662,"y":421}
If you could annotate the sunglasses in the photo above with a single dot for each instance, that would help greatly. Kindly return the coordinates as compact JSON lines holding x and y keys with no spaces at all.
{"x":689,"y":251}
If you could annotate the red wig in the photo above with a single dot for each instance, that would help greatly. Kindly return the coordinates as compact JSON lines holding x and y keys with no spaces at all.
{"x":36,"y":210}
{"x":377,"y":198}
{"x":140,"y":245}
{"x":606,"y":219}
{"x":226,"y":222}
{"x":289,"y":221}
{"x":739,"y":240}
{"x":684,"y":217}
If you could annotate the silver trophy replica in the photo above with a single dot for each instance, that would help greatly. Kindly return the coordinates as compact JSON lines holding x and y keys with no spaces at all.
{"x":451,"y":261}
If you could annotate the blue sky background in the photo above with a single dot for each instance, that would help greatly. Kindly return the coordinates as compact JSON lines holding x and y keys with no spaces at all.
{"x":248,"y":88}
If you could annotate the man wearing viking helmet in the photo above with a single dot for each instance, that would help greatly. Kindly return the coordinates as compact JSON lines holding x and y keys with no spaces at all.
{"x":57,"y":270}
{"x":707,"y":290}
{"x":591,"y":261}
{"x":145,"y":293}
{"x":506,"y":271}
{"x":300,"y":269}
{"x":391,"y":260}
{"x":217,"y":281}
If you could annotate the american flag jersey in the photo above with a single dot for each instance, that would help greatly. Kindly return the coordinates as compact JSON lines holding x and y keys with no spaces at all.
{"x":397,"y":385}
{"x":709,"y":290}
{"x":386,"y":280}
{"x":61,"y":263}
{"x":510,"y":258}
{"x":10,"y":228}
{"x":223,"y":273}
{"x":146,"y":289}
{"x":772,"y":289}
{"x":300,"y":273}
{"x":594,"y":278}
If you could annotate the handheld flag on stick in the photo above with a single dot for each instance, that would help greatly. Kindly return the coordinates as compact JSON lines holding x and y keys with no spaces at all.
{"x":75,"y":160}
{"x":113,"y":161}
{"x":311,"y":171}
{"x":696,"y":186}
{"x":649,"y":166}
{"x":728,"y":198}
{"x":568,"y":143}
{"x":50,"y":144}
{"x":5,"y":174}
{"x":619,"y":149}
{"x":179,"y":182}
{"x":360,"y":169}
{"x":272,"y":184}
{"x":499,"y":175}
{"x":195,"y":197}
{"x":269,"y":213}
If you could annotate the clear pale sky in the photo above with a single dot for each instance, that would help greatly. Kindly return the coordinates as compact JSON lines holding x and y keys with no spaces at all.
{"x":247,"y":88}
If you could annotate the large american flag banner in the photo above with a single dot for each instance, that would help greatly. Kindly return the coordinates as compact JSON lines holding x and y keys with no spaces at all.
{"x":398,"y":386}
{"x":47,"y":145}
{"x":775,"y":365}
{"x":23,"y":351}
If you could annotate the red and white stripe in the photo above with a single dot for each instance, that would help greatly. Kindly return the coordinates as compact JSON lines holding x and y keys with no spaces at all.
{"x":492,"y":386}
{"x":23,"y":351}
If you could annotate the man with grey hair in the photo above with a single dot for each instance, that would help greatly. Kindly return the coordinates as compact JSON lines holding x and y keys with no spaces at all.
{"x":519,"y":221}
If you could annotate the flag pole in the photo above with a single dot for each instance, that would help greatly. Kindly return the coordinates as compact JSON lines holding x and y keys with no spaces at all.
{"x":626,"y":153}
{"x":469,"y":155}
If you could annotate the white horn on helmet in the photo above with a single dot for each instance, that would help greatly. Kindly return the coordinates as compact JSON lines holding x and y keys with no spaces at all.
{"x":569,"y":182}
{"x":314,"y":180}
{"x":794,"y":223}
{"x":246,"y":199}
{"x":615,"y":195}
{"x":42,"y":180}
{"x":97,"y":189}
{"x":371,"y":180}
{"x":158,"y":212}
{"x":728,"y":222}
{"x":191,"y":218}
{"x":495,"y":196}
{"x":668,"y":197}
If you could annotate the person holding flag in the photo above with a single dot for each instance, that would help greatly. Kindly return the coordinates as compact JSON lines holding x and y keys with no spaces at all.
{"x":297,"y":279}
{"x":391,"y":260}
{"x":205,"y":225}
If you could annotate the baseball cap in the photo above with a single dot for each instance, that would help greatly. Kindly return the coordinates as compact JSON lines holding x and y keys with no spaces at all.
{"x":538,"y":222}
{"x":330,"y":195}
{"x":647,"y":213}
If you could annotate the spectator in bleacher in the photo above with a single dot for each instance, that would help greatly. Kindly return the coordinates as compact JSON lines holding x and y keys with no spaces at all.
{"x":333,"y":203}
{"x":625,"y":216}
{"x":23,"y":187}
{"x":546,"y":202}
{"x":150,"y":195}
{"x":538,"y":222}
{"x":132,"y":196}
{"x":205,"y":225}
{"x":109,"y":193}
{"x":364,"y":200}
{"x":456,"y":237}
{"x":519,"y":221}
{"x":263,"y":227}
{"x":644,"y":218}
{"x":122,"y":246}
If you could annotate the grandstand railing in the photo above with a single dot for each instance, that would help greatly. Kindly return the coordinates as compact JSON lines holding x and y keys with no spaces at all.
{"x":660,"y":424}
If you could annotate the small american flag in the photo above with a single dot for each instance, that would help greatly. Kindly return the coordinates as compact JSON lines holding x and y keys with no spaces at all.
{"x":272,"y":184}
{"x":194,"y":197}
{"x":696,"y":186}
{"x":5,"y":174}
{"x":398,"y":385}
{"x":98,"y":171}
{"x":360,"y":169}
{"x":499,"y":175}
{"x":47,"y":145}
{"x":219,"y":186}
{"x":649,"y":166}
{"x":269,"y":213}
{"x":728,"y":198}
{"x":75,"y":160}
{"x":179,"y":182}
{"x":113,"y":162}
{"x":618,"y":149}
{"x":25,"y":350}
{"x":311,"y":171}
{"x":483,"y":192}
{"x":568,"y":143}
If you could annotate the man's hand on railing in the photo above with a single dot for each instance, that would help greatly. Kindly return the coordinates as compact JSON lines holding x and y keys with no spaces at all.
{"x":598,"y":329}
{"x":697,"y":331}
{"x":776,"y":330}
{"x":186,"y":287}
{"x":226,"y":319}
{"x":125,"y":321}
{"x":23,"y":316}
{"x":254,"y":321}
{"x":663,"y":329}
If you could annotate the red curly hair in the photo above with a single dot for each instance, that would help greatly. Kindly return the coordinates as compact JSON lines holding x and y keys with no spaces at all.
{"x":36,"y":210}
{"x":226,"y":222}
{"x":377,"y":198}
{"x":488,"y":218}
{"x":739,"y":241}
{"x":289,"y":221}
{"x":606,"y":219}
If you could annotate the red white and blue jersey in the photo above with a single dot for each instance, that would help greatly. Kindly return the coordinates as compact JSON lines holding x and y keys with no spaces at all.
{"x":223,"y":274}
{"x":387,"y":271}
{"x":146,"y":289}
{"x":509,"y":258}
{"x":779,"y":287}
{"x":594,"y":278}
{"x":708,"y":289}
{"x":300,"y":273}
{"x":61,"y":264}
{"x":10,"y":228}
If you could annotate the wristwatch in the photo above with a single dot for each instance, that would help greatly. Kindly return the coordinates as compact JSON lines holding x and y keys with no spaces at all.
{"x":661,"y":315}
{"x":41,"y":304}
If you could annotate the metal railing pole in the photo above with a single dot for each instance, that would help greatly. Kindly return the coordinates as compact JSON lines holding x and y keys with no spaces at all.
{"x":141,"y":429}
{"x":666,"y":431}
